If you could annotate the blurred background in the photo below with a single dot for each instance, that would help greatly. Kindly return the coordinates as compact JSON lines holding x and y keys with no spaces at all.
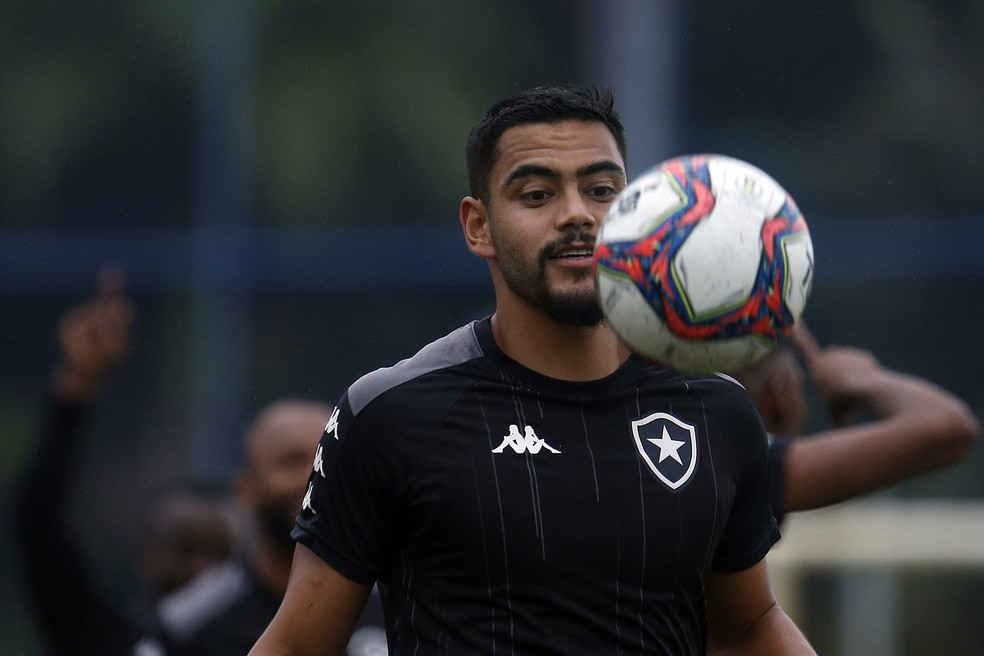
{"x":280,"y":182}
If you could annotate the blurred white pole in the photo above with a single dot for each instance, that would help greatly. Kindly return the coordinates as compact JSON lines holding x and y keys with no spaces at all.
{"x":867,"y":613}
{"x":869,"y":543}
{"x":635,"y":45}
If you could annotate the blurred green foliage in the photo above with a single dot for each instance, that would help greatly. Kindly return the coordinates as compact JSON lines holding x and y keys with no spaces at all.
{"x":357,"y":111}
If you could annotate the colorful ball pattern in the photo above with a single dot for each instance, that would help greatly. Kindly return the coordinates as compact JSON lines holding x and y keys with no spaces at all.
{"x":704,"y":263}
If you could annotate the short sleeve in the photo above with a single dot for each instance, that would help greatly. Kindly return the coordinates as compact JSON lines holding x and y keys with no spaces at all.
{"x":778,"y":450}
{"x":751,"y":529}
{"x":349,"y":512}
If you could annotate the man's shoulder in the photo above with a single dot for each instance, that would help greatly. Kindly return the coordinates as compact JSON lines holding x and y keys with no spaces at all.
{"x":454,"y":349}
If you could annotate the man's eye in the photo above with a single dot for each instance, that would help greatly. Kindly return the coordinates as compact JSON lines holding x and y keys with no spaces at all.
{"x":536,"y":196}
{"x":603,"y":192}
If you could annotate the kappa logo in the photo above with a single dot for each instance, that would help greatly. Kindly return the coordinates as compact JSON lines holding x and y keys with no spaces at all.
{"x":306,"y":503}
{"x":319,"y":461}
{"x":527,"y":442}
{"x":332,"y":425}
{"x":668,"y":446}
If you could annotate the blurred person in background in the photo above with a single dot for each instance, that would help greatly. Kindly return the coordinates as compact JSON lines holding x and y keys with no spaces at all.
{"x":886,"y":426}
{"x":224,"y":610}
{"x":187,"y":529}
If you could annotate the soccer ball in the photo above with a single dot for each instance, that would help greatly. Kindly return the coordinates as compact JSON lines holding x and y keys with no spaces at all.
{"x":703,"y":263}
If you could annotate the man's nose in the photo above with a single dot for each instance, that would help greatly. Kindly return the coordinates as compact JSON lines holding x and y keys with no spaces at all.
{"x":575,"y":212}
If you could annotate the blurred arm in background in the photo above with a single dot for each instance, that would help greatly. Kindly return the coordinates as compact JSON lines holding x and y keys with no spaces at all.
{"x":188,"y":529}
{"x":909,"y":426}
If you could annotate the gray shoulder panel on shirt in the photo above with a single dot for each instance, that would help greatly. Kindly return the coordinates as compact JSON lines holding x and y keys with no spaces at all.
{"x":452,"y":349}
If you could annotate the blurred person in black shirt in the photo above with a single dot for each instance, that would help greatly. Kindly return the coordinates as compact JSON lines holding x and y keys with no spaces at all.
{"x":188,"y":527}
{"x":224,"y":610}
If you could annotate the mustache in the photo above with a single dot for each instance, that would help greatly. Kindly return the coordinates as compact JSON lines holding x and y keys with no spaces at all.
{"x":552,"y":248}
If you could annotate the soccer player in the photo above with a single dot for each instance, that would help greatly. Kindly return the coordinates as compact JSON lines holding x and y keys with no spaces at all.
{"x":524,"y":485}
{"x":910,"y":426}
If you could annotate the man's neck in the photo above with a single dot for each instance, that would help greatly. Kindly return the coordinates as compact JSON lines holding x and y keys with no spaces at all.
{"x":557,"y":350}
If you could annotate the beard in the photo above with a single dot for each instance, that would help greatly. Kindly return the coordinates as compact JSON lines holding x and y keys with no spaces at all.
{"x":528,"y":280}
{"x":572,"y":309}
{"x":276,"y":524}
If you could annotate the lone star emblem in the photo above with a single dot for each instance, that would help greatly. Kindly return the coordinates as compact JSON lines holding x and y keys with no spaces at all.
{"x":668,"y":446}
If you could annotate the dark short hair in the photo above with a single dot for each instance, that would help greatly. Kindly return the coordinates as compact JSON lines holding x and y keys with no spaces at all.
{"x":546,"y":104}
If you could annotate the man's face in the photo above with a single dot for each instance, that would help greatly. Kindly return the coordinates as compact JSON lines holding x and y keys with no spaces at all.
{"x":280,"y":458}
{"x":549,"y":191}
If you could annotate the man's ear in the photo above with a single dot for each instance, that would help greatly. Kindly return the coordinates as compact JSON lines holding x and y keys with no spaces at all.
{"x":475,"y":224}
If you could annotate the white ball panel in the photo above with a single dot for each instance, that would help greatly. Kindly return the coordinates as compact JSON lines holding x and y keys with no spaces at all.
{"x":798,"y":251}
{"x":726,"y":355}
{"x":643,"y":331}
{"x":658,"y":198}
{"x":625,"y":307}
{"x":719,"y":260}
{"x":745,"y":184}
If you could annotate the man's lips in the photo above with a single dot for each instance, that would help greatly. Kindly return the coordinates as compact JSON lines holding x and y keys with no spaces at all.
{"x":573,"y":252}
